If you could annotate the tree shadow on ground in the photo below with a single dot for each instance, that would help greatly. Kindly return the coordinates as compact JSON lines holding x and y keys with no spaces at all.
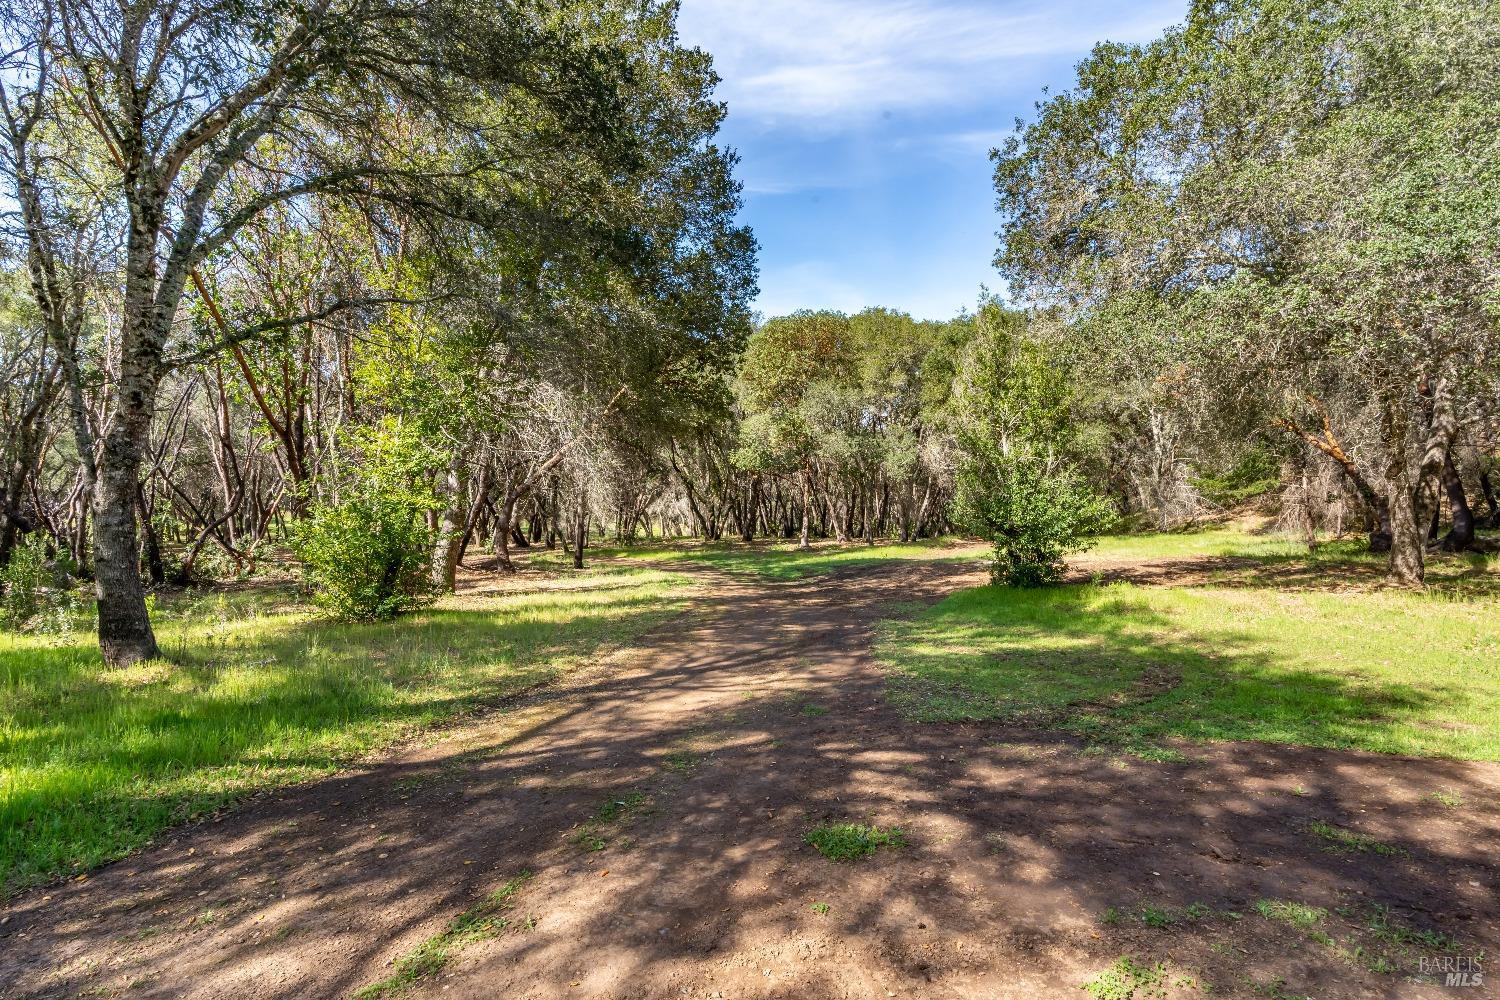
{"x":1018,"y":841}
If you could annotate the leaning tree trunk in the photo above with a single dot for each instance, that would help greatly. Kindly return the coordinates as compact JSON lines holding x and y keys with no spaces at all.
{"x":1460,"y":536}
{"x":1488,"y":489}
{"x":504,"y":513}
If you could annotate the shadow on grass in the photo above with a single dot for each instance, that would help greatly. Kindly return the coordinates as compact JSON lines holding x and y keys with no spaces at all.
{"x":96,"y":762}
{"x":1385,"y":672}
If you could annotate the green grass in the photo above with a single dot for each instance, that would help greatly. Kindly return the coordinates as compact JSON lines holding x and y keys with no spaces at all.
{"x":1340,"y":840}
{"x":851,"y":841}
{"x":1128,"y":979}
{"x":1352,"y":667}
{"x":480,"y":921}
{"x":258,"y":694}
{"x":783,"y":561}
{"x":1299,"y":915}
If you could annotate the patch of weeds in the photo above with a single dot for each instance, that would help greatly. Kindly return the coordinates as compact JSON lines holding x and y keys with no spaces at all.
{"x":1384,"y":927}
{"x":1159,"y":917}
{"x":851,"y":841}
{"x":1154,"y":753}
{"x":1128,"y":979}
{"x":1299,"y":915}
{"x":480,"y":921}
{"x":820,"y":908}
{"x":1162,"y":917}
{"x":812,"y":710}
{"x":1345,"y":841}
{"x":1111,"y":917}
{"x":1273,"y":988}
{"x":591,"y":837}
{"x":681,"y":761}
{"x":1448,"y":798}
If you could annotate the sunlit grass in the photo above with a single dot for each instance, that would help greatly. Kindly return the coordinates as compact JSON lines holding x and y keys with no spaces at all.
{"x":782,"y":560}
{"x":1354,"y":667}
{"x":257,"y":693}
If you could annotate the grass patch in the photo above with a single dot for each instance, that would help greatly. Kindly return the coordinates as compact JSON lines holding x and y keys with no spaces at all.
{"x":784,"y":561}
{"x":1128,"y":979}
{"x":594,"y":834}
{"x":482,"y":920}
{"x":258,"y":693}
{"x":812,"y":711}
{"x":1299,"y":915}
{"x":821,"y":909}
{"x":1340,"y":840}
{"x":851,"y":841}
{"x":1132,"y":666}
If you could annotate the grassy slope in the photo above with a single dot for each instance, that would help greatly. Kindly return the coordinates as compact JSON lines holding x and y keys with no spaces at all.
{"x":93,"y":763}
{"x":1317,"y":661}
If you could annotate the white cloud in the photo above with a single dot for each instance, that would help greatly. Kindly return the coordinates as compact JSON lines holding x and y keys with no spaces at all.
{"x":828,"y":64}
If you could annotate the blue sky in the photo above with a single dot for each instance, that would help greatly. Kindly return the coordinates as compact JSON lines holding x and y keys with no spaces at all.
{"x":865,"y":126}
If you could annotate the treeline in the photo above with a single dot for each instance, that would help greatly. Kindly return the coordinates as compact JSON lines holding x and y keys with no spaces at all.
{"x":346,"y":265}
{"x":375,"y":286}
{"x":1277,"y":229}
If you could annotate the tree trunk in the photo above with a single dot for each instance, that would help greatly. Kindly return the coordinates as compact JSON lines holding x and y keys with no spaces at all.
{"x":1460,"y":537}
{"x":125,"y":634}
{"x":1489,"y":497}
{"x":580,"y":533}
{"x":803,"y":543}
{"x":448,"y":540}
{"x":503,"y":514}
{"x":1408,"y":542}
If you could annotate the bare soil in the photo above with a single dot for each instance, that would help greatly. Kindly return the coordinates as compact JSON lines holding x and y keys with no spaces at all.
{"x":724,"y":738}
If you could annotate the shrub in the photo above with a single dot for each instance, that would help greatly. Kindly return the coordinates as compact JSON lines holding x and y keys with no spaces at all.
{"x":35,"y":593}
{"x":366,"y":559}
{"x":1033,"y":513}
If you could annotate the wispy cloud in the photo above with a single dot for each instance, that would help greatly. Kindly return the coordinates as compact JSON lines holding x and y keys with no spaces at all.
{"x":828,"y":64}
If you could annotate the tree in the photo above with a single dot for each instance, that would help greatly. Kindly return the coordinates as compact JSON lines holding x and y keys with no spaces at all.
{"x":185,"y":98}
{"x":1297,"y":198}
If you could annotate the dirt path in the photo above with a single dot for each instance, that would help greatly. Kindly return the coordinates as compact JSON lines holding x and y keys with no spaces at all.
{"x":711,"y":753}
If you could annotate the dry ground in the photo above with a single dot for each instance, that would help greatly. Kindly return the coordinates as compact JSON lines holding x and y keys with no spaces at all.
{"x":660,"y":802}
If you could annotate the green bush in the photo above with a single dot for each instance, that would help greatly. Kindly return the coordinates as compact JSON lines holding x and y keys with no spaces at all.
{"x":35,"y":593}
{"x":366,"y":559}
{"x":1033,"y":513}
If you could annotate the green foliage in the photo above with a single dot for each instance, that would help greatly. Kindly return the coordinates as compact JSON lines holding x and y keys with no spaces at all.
{"x":366,"y":559}
{"x":1128,"y":979}
{"x":851,"y":841}
{"x":35,"y":595}
{"x":1032,"y":512}
{"x":1253,"y":474}
{"x":1017,"y":485}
